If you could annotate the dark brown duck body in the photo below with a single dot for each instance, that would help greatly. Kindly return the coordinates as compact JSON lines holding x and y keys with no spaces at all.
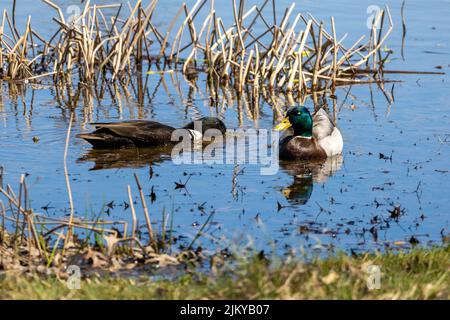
{"x":141,"y":133}
{"x":124,"y":134}
{"x":301,"y":148}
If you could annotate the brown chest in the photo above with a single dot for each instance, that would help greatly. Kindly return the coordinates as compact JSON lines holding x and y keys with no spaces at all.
{"x":299,"y":148}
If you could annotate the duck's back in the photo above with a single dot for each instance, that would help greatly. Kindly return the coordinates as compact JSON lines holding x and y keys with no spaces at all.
{"x":137,"y":133}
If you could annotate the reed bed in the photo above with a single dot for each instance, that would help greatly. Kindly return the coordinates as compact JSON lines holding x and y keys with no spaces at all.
{"x":291,"y":53}
{"x":142,"y":90}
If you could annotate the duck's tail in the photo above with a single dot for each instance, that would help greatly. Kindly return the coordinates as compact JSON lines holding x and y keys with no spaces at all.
{"x":97,"y":141}
{"x":322,"y":125}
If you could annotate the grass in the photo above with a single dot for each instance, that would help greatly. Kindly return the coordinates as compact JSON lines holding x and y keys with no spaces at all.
{"x":419,"y":274}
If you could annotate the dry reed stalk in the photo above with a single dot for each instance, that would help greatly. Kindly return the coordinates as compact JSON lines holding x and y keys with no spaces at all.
{"x":57,"y":8}
{"x":284,"y":43}
{"x":335,"y":52}
{"x":16,"y":218}
{"x":238,"y":22}
{"x":3,"y":227}
{"x":144,"y":206}
{"x":133,"y":214}
{"x":179,"y":36}
{"x":69,"y":189}
{"x":139,"y":33}
{"x":169,"y":30}
{"x":318,"y":58}
{"x":299,"y":59}
{"x":16,"y":233}
{"x":379,"y":43}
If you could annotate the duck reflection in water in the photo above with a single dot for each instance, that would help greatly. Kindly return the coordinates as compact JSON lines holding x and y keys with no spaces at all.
{"x":125,"y":158}
{"x":130,"y":157}
{"x":305,"y":174}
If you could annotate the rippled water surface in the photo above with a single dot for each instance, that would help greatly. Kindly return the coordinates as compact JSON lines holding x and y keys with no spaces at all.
{"x":335,"y":206}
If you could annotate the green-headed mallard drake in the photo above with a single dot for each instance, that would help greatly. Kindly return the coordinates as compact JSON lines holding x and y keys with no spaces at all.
{"x":314,"y":137}
{"x":144,"y":133}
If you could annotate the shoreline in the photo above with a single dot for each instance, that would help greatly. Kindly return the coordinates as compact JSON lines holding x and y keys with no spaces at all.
{"x":419,"y":274}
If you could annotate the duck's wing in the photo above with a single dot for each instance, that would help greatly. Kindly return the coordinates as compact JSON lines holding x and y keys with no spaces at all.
{"x":138,"y":133}
{"x":138,"y":130}
{"x":98,"y":125}
{"x":328,"y":136}
{"x":322,"y":125}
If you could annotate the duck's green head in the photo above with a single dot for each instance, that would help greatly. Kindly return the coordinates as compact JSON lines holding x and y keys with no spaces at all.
{"x":299,"y":119}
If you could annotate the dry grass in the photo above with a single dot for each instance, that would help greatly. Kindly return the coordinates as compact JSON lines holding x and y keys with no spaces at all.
{"x":420,"y":274}
{"x":31,"y":241}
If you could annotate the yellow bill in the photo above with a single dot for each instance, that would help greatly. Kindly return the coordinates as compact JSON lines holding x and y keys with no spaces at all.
{"x":287,"y":192}
{"x":283,"y":125}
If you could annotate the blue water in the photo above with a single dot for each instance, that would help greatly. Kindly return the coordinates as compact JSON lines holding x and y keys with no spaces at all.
{"x":337,"y":209}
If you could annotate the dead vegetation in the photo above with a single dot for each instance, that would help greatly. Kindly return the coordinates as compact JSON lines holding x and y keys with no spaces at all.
{"x":419,"y":274}
{"x":291,"y":53}
{"x":31,"y":241}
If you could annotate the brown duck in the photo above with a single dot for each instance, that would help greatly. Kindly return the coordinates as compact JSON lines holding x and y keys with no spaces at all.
{"x":144,"y":133}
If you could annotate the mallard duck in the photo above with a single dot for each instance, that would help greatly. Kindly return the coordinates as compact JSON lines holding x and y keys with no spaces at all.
{"x":314,"y":137}
{"x":144,"y":133}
